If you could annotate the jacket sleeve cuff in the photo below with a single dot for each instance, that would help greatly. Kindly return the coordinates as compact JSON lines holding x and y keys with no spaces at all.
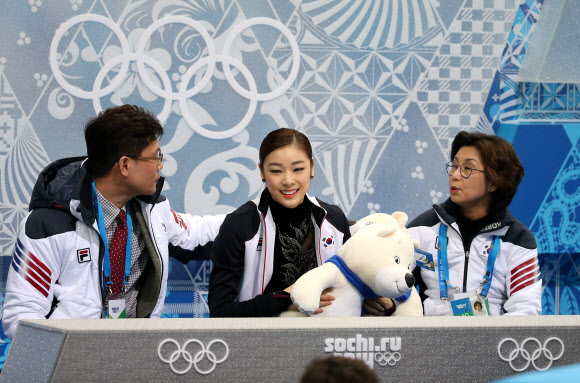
{"x":280,"y":301}
{"x":393,"y":308}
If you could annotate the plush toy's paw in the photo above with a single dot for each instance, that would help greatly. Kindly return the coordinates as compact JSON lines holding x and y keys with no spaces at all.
{"x":292,"y":314}
{"x":412,"y":307}
{"x":305,"y":305}
{"x":306,"y":290}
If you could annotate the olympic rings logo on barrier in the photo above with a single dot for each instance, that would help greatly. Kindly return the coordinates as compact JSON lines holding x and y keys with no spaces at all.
{"x":390,"y":358}
{"x":195,"y":359}
{"x":183,"y":94}
{"x":535,"y":355}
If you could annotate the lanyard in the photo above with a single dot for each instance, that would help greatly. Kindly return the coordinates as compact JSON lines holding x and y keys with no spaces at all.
{"x":103,"y":234}
{"x":444,"y":284}
{"x":486,"y":282}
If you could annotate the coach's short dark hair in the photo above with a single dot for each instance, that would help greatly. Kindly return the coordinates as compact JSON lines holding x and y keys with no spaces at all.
{"x":116,"y":132}
{"x":338,"y":369}
{"x":502,"y":165}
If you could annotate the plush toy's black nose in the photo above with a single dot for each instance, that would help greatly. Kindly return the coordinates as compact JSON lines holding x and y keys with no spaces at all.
{"x":410,"y":279}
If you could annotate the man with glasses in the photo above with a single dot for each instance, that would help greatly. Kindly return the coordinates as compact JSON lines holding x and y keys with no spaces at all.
{"x":99,"y":233}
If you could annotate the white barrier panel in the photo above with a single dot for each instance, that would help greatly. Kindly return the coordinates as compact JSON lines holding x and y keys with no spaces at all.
{"x":478,"y":349}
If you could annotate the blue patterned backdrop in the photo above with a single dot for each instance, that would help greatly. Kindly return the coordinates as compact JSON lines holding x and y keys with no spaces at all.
{"x":380,"y":88}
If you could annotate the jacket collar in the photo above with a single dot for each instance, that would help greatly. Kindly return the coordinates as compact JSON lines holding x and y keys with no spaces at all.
{"x":58,"y":184}
{"x":66,"y":184}
{"x":500,"y":218}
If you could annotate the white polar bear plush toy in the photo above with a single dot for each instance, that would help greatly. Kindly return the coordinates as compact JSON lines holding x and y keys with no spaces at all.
{"x":376,"y":260}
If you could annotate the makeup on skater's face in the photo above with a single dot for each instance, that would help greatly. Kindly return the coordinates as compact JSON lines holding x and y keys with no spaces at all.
{"x":287,"y":172}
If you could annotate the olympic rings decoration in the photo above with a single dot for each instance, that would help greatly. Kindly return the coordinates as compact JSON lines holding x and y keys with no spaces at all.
{"x":209,"y":61}
{"x":185,"y":111}
{"x":164,"y":115}
{"x":295,"y":59}
{"x":389,"y":358}
{"x":195,"y":359}
{"x":64,"y":27}
{"x":210,"y":50}
{"x":525,"y":354}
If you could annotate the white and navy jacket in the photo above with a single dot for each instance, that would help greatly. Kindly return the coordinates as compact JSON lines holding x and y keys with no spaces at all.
{"x":243,"y":256}
{"x":56,"y":269}
{"x":516,"y":287}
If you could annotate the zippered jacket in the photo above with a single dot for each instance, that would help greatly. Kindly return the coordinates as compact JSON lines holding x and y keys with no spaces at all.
{"x":56,"y":269}
{"x":243,"y":256}
{"x":516,"y":287}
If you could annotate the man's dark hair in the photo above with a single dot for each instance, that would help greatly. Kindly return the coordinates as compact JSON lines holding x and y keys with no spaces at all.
{"x":124,"y":130}
{"x":338,"y":369}
{"x":502,"y":165}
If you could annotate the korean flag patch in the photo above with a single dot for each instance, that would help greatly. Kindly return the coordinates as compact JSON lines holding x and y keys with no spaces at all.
{"x":84,"y":255}
{"x":327,"y":242}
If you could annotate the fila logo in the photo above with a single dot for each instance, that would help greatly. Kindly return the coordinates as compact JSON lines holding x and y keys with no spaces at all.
{"x":259,"y":247}
{"x":84,"y":255}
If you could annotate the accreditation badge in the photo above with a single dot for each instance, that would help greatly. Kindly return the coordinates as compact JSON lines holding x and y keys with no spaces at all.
{"x":461,"y":305}
{"x":466,"y":304}
{"x":480,"y":306}
{"x":116,"y":309}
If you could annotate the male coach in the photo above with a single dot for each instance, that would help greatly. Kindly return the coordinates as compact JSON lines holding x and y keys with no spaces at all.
{"x":97,"y":239}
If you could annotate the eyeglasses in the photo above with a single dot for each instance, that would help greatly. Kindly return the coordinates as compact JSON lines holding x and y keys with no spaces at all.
{"x":465,"y":169}
{"x":158,"y":157}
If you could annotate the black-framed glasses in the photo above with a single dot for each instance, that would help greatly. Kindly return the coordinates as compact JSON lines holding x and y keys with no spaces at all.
{"x":158,"y":157}
{"x":464,"y":169}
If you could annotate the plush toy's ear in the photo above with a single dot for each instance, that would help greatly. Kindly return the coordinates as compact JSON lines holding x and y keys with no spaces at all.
{"x":416,"y":243}
{"x":354,"y":226}
{"x":386,"y":230}
{"x":401,"y":217}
